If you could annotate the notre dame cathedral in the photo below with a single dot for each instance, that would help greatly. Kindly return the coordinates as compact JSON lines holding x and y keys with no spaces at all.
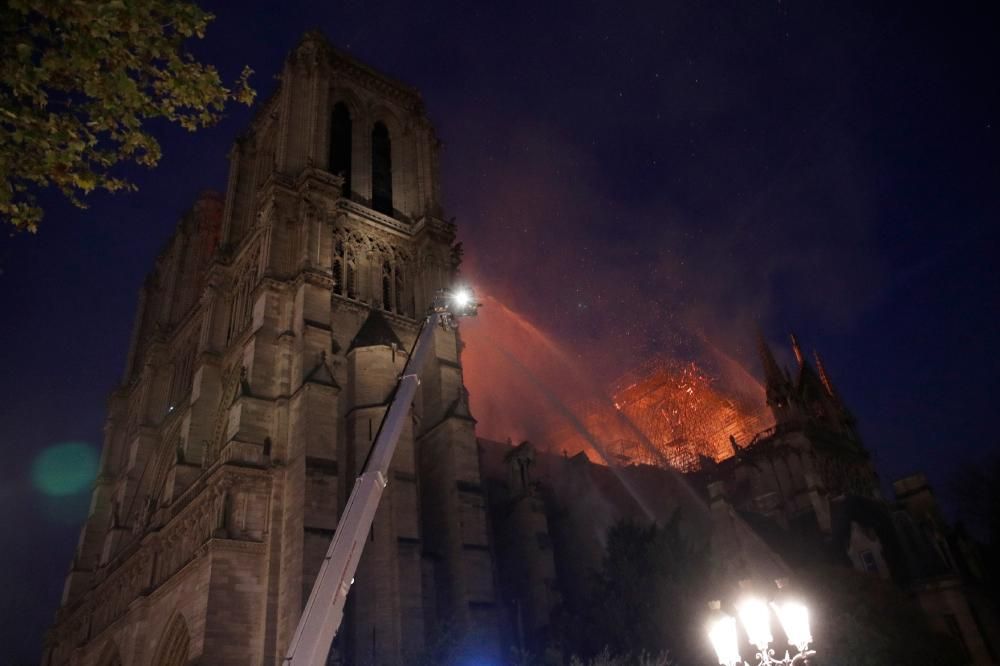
{"x":267,"y":343}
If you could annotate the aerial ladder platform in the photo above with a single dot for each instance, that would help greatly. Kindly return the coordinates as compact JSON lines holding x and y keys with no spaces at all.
{"x":324,"y":610}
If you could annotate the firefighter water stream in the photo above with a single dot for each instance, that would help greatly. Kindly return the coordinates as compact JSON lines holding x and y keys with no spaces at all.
{"x":523,"y":347}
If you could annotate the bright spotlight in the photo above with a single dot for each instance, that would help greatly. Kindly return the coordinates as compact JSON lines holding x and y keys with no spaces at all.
{"x":462,"y":298}
{"x":458,"y":302}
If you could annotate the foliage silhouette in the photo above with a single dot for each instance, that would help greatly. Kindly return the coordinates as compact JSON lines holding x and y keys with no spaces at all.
{"x":79,"y":80}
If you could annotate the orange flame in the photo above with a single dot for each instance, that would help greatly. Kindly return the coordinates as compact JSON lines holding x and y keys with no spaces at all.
{"x":681,"y":412}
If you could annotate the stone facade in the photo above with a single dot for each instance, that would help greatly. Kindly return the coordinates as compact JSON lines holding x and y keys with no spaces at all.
{"x":266,"y":346}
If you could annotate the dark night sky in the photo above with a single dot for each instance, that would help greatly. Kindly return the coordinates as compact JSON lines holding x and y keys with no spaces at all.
{"x":627,"y":176}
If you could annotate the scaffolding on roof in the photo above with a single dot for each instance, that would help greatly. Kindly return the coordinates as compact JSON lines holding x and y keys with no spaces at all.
{"x":683,"y":415}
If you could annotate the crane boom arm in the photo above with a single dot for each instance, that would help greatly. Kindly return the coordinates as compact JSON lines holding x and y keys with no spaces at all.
{"x":323,"y":612}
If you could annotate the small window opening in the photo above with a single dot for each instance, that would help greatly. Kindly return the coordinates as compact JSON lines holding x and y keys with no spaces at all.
{"x":340,"y":145}
{"x":399,"y":291}
{"x":381,"y":169}
{"x":386,"y":286}
{"x":351,"y":277}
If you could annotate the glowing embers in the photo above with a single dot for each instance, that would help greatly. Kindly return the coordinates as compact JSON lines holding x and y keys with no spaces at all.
{"x":685,"y":414}
{"x":667,"y":413}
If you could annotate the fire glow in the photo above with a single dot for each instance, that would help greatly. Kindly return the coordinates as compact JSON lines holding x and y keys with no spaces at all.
{"x":665,"y":412}
{"x":678,"y":409}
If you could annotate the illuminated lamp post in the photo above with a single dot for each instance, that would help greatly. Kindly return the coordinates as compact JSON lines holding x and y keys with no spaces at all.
{"x":754,"y":615}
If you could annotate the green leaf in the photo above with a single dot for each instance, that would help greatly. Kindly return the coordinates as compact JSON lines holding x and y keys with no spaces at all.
{"x":80,"y":109}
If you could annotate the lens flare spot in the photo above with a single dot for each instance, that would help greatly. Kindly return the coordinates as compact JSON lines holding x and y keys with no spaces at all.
{"x":64,"y":469}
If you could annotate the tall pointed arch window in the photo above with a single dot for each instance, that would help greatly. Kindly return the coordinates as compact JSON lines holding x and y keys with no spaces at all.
{"x":241,"y":309}
{"x":175,"y":645}
{"x":400,"y":305}
{"x":340,"y":145}
{"x":387,"y":286}
{"x":180,"y":382}
{"x":338,"y":268}
{"x":350,"y":274}
{"x":381,"y":169}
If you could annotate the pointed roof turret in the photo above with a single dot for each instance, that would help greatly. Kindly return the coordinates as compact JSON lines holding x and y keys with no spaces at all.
{"x":780,"y":391}
{"x":374,"y":332}
{"x":797,"y":350}
{"x":823,"y":377}
{"x":772,"y":371}
{"x":777,"y":386}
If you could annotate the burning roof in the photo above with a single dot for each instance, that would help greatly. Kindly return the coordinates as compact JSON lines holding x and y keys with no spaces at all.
{"x":665,"y":413}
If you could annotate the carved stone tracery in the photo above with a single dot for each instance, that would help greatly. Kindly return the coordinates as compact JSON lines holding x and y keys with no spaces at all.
{"x":367,"y":265}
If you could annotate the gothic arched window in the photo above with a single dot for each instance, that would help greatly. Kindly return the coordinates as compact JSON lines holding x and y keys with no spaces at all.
{"x":381,"y":169}
{"x":399,"y":291}
{"x":175,"y":644}
{"x":241,"y":308}
{"x":338,"y":268}
{"x":180,"y":382}
{"x":387,"y":286}
{"x":350,"y":276}
{"x":340,"y":145}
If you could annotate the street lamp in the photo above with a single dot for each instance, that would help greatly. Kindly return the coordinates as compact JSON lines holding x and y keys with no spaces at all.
{"x":794,"y":618}
{"x":722,"y":633}
{"x":756,"y":622}
{"x":754,"y":615}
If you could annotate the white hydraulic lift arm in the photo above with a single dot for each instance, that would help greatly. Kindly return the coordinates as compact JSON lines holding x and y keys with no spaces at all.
{"x":324,"y":610}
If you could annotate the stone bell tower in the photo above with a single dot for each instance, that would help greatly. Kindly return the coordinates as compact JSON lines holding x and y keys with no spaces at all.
{"x":266,"y":347}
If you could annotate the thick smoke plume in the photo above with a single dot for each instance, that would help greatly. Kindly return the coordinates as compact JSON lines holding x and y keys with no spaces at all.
{"x":588,"y":287}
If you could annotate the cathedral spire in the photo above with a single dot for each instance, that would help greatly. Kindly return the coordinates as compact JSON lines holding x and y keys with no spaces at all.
{"x":772,"y":371}
{"x":777,"y":386}
{"x":825,"y":378}
{"x":797,"y":350}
